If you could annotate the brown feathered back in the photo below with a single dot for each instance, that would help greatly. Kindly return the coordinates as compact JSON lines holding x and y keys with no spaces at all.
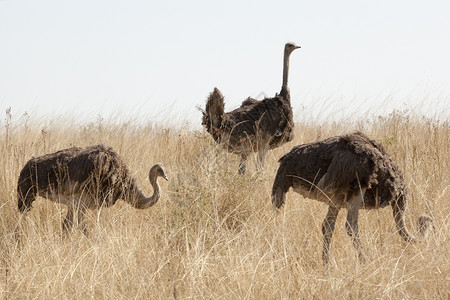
{"x":354,"y":164}
{"x":96,"y":172}
{"x":102,"y":173}
{"x":45,"y":173}
{"x":251,"y":125}
{"x":348,"y":163}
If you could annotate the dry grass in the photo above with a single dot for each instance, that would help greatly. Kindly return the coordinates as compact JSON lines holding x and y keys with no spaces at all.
{"x":213,"y":235}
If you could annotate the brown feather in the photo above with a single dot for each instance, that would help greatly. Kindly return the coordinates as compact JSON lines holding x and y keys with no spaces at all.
{"x":91,"y":178}
{"x":346,"y":164}
{"x":255,"y":126}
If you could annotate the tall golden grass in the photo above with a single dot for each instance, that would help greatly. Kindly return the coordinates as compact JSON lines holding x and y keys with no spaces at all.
{"x":213,"y":234}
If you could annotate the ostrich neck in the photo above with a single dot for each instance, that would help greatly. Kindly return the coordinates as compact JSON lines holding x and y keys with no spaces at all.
{"x":141,"y":201}
{"x":284,"y":88}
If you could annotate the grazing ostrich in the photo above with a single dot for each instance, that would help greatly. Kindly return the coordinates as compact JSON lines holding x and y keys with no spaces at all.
{"x":91,"y":178}
{"x":256,"y":126}
{"x":349,"y":171}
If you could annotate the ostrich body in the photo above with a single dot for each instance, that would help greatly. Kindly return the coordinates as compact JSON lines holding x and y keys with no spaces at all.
{"x":91,"y":178}
{"x":256,"y":126}
{"x":349,"y":171}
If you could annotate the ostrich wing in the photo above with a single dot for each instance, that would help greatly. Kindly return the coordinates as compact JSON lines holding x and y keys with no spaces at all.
{"x":256,"y":119}
{"x":347,"y":172}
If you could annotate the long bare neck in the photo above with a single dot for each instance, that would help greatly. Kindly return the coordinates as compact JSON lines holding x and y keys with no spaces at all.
{"x":140,"y":201}
{"x":284,"y":88}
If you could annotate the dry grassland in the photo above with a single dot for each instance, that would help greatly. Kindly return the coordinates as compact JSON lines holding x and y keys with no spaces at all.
{"x":213,"y":234}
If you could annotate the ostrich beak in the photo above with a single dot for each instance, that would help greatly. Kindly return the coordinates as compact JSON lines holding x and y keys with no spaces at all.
{"x":296,"y":47}
{"x":165,"y":177}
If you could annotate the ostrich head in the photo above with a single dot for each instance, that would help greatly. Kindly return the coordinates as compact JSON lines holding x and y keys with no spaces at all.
{"x":157,"y":171}
{"x":289,"y":47}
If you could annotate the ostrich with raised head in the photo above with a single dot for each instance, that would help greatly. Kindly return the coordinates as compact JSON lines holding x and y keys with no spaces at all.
{"x":350,"y":171}
{"x":256,"y":126}
{"x":90,"y":178}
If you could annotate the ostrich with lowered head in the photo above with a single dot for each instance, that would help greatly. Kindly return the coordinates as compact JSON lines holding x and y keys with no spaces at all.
{"x":256,"y":126}
{"x":91,"y":178}
{"x":349,"y":171}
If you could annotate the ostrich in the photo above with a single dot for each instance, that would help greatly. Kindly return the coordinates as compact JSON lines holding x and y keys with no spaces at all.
{"x":91,"y":178}
{"x":349,"y":171}
{"x":256,"y":126}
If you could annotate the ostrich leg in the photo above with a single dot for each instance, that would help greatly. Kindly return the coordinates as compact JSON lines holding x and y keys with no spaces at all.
{"x":327,"y":230}
{"x":354,"y":204}
{"x":81,"y":211}
{"x":68,"y":221}
{"x":243,"y":164}
{"x":261,"y":157}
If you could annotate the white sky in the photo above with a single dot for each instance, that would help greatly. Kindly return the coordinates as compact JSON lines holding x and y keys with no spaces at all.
{"x":157,"y":60}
